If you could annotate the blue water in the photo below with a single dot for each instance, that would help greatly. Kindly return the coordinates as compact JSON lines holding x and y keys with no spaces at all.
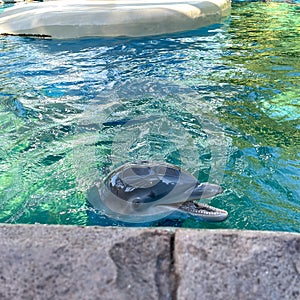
{"x":222,"y":102}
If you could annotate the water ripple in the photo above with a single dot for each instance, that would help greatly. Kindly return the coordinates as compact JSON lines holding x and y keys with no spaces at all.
{"x":222,"y":101}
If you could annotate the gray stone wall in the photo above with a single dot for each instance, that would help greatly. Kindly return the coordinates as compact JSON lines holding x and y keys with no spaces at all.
{"x":69,"y":262}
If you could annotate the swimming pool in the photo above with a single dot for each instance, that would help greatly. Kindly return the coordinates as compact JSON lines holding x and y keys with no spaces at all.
{"x":222,"y":102}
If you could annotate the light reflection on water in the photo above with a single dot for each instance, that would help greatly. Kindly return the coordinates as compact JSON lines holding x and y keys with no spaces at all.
{"x":223,"y":102}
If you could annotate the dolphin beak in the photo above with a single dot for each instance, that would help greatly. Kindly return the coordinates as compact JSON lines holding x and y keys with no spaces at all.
{"x":204,"y":211}
{"x":205,"y":190}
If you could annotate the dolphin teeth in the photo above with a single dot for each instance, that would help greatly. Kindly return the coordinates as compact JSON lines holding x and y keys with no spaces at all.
{"x":203,"y":210}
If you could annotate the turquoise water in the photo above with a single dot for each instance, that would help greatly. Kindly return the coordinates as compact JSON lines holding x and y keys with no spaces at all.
{"x":222,"y":102}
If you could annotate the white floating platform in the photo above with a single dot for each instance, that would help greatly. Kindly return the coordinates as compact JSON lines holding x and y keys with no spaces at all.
{"x":65,"y":19}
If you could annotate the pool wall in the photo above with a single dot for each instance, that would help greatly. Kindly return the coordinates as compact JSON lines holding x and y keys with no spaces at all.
{"x":70,"y":262}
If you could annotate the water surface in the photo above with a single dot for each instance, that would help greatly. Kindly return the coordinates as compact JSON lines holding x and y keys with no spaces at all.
{"x":222,"y":102}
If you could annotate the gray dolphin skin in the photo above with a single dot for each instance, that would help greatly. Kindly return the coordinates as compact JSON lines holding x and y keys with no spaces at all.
{"x":145,"y":190}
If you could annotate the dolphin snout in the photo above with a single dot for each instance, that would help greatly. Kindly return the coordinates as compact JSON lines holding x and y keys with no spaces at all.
{"x":206,"y":190}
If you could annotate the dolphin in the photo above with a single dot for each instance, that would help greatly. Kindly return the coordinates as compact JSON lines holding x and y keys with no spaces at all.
{"x":145,"y":190}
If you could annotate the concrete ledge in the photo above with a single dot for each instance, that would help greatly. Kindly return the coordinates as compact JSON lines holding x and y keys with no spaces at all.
{"x":66,"y":262}
{"x":237,"y":265}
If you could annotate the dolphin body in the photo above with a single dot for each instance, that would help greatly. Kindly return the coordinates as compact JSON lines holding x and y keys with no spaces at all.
{"x":144,"y":191}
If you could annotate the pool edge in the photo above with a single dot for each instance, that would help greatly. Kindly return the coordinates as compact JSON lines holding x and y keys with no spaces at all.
{"x":73,"y":262}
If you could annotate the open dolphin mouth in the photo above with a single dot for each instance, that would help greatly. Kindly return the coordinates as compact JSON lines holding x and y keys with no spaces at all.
{"x":204,"y":211}
{"x":151,"y":190}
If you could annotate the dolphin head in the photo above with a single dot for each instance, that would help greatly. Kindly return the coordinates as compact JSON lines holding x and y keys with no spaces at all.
{"x":150,"y":191}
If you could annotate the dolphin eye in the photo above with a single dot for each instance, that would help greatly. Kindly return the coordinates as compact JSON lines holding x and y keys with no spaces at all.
{"x":136,"y":204}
